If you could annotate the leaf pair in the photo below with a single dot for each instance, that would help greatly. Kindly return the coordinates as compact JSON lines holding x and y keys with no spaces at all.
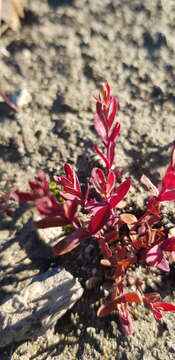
{"x":106,"y":186}
{"x":70,"y":183}
{"x":155,"y":256}
{"x":95,"y":224}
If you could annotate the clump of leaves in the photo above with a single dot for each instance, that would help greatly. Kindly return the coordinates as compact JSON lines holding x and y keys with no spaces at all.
{"x":145,"y":241}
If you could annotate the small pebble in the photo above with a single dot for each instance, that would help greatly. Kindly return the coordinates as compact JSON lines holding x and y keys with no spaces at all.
{"x":78,"y":332}
{"x":151,"y":284}
{"x":4,"y":234}
{"x":91,"y":330}
{"x":21,"y":98}
{"x":94,"y":271}
{"x":104,"y":290}
{"x":3,"y":49}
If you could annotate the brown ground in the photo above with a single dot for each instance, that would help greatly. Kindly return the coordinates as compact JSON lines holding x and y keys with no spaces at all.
{"x":62,"y":52}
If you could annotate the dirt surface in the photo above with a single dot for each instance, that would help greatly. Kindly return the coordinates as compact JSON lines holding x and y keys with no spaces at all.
{"x":62,"y":52}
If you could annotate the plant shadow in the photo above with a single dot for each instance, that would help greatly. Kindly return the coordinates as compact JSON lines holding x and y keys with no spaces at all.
{"x":56,"y":3}
{"x":149,"y":162}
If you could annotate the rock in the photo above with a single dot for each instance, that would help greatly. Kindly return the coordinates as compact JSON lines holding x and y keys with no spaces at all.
{"x":11,"y":12}
{"x":38,"y":243}
{"x":37,"y":307}
{"x":50,"y":235}
{"x":3,"y":49}
{"x":21,"y":98}
{"x":91,"y":330}
{"x":4,"y":234}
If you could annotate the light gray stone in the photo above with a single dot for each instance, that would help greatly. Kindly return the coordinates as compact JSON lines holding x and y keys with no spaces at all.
{"x":37,"y":307}
{"x":21,"y":98}
{"x":4,"y":234}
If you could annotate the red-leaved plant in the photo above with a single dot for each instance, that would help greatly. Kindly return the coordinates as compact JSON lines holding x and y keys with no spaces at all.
{"x":145,"y":241}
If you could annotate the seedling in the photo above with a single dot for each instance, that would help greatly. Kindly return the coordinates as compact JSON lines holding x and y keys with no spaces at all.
{"x":145,"y":241}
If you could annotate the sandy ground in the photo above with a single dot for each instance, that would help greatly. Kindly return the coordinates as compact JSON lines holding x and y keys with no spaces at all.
{"x":62,"y":52}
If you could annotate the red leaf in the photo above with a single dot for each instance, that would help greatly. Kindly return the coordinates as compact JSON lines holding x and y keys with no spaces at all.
{"x":105,"y":248}
{"x":131,"y":297}
{"x":173,"y":156}
{"x":101,"y":155}
{"x":99,"y":175}
{"x":154,"y":257}
{"x":127,"y":262}
{"x":78,"y":188}
{"x":70,"y":242}
{"x":99,"y":219}
{"x":169,"y":178}
{"x":22,"y":196}
{"x":126,"y":322}
{"x":100,"y":127}
{"x":71,"y":180}
{"x":97,"y":99}
{"x":63,"y":180}
{"x":39,"y":184}
{"x":70,"y":173}
{"x":122,"y":263}
{"x":169,"y":244}
{"x":167,"y":196}
{"x":111,"y":153}
{"x":153,"y":205}
{"x":164,"y":306}
{"x":152,"y":297}
{"x":155,"y":312}
{"x":47,"y":205}
{"x":111,"y":236}
{"x":98,"y":179}
{"x":93,"y":206}
{"x":70,"y":208}
{"x":71,"y":184}
{"x":115,"y":131}
{"x":110,"y":183}
{"x":120,"y":193}
{"x":67,"y":196}
{"x":107,"y":308}
{"x":112,"y":111}
{"x":128,"y":218}
{"x":101,"y":184}
{"x":72,"y":191}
